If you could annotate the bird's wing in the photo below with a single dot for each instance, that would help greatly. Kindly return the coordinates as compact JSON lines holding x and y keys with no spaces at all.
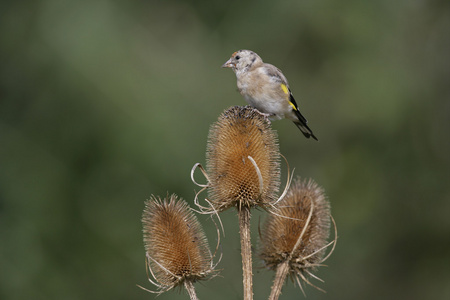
{"x":278,"y":77}
{"x":275,"y":74}
{"x":295,"y":107}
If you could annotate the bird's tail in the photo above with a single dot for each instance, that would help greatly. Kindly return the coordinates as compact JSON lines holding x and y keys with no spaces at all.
{"x":307,"y":132}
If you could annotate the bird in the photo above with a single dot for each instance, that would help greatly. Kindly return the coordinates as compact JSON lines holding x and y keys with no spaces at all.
{"x":265,"y":88}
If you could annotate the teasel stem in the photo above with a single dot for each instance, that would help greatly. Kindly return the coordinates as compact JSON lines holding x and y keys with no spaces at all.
{"x":246,"y":251}
{"x":189,"y":286}
{"x":280,"y":277}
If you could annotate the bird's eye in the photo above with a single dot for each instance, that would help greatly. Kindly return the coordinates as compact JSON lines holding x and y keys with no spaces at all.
{"x":237,"y":57}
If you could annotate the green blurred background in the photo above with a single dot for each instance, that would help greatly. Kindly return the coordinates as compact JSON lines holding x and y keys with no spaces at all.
{"x":103,"y":103}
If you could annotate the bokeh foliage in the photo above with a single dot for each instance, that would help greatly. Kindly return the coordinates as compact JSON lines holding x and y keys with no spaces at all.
{"x":103,"y":103}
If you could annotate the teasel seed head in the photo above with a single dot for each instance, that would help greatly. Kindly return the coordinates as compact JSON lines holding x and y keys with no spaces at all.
{"x":176,"y":247}
{"x":296,"y":232}
{"x":242,"y":160}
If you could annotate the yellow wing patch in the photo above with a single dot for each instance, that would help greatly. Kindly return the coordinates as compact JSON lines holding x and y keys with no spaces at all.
{"x":286,"y":91}
{"x":293,"y":105}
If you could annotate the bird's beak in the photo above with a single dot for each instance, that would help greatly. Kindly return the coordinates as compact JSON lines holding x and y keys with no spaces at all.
{"x":228,"y":64}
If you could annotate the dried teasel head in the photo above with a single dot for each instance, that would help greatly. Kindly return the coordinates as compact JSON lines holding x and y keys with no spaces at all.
{"x":242,"y":160}
{"x":296,"y":232}
{"x":176,"y":247}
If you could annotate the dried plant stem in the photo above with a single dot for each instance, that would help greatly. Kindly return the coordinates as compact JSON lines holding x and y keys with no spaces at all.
{"x":190,"y":289}
{"x":246,"y":251}
{"x":280,"y":276}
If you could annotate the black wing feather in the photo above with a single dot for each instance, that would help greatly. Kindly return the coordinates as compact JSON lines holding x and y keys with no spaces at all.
{"x":302,"y":122}
{"x":300,"y":117}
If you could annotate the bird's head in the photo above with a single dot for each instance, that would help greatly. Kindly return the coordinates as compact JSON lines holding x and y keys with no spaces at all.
{"x":242,"y":60}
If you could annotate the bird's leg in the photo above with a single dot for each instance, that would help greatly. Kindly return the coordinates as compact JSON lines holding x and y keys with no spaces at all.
{"x":268,"y":116}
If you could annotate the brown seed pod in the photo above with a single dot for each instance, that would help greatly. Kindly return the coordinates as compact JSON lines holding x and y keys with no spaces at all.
{"x":176,"y":247}
{"x":296,"y":232}
{"x":242,"y":160}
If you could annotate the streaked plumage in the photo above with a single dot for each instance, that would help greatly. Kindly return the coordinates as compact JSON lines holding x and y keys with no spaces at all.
{"x":266,"y":88}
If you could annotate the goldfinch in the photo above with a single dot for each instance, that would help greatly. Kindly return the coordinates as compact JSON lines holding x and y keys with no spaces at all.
{"x":265,"y":88}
